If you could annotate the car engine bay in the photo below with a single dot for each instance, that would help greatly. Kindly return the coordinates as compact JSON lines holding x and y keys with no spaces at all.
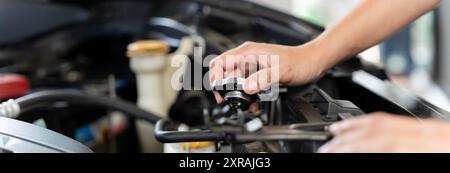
{"x":76,"y":70}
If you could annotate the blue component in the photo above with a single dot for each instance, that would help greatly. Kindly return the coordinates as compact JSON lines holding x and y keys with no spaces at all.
{"x":84,"y":134}
{"x":121,"y":83}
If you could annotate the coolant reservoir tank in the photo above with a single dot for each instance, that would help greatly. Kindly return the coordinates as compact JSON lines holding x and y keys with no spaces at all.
{"x":148,"y":61}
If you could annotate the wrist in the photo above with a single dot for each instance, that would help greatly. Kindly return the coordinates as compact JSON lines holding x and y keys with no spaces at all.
{"x":331,"y":48}
{"x":318,"y":55}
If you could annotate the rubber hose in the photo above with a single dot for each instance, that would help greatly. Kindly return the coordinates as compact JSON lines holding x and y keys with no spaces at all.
{"x":32,"y":100}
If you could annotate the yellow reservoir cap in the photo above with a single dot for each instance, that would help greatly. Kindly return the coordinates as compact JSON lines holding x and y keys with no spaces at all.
{"x":147,"y":47}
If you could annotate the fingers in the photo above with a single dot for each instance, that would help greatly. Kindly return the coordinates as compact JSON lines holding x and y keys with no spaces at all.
{"x":218,"y":97}
{"x":361,"y":145}
{"x":227,"y":65}
{"x":261,"y":80}
{"x":356,"y":123}
{"x":376,"y":132}
{"x":345,"y":143}
{"x":253,"y":107}
{"x":378,"y":120}
{"x":231,"y":60}
{"x":244,"y":61}
{"x":216,"y":69}
{"x":349,"y":125}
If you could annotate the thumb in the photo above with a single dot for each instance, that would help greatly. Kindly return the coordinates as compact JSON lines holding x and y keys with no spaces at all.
{"x":261,"y":80}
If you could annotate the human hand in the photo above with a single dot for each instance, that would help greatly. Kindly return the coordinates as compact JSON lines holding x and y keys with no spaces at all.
{"x":383,"y":132}
{"x":265,"y":64}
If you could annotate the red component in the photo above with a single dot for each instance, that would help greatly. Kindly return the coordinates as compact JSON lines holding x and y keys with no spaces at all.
{"x":13,"y":85}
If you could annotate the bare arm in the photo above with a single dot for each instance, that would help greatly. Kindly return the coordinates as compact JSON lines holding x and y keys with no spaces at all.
{"x":368,"y":24}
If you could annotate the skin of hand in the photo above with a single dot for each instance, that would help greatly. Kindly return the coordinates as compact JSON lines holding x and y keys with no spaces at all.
{"x":383,"y":132}
{"x":296,"y":65}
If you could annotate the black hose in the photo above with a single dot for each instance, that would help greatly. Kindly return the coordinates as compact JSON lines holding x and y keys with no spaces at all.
{"x":32,"y":100}
{"x":183,"y":136}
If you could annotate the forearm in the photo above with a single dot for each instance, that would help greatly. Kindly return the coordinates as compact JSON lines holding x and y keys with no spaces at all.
{"x":368,"y":24}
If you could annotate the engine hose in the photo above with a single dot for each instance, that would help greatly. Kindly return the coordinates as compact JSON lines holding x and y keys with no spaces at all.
{"x":36,"y":99}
